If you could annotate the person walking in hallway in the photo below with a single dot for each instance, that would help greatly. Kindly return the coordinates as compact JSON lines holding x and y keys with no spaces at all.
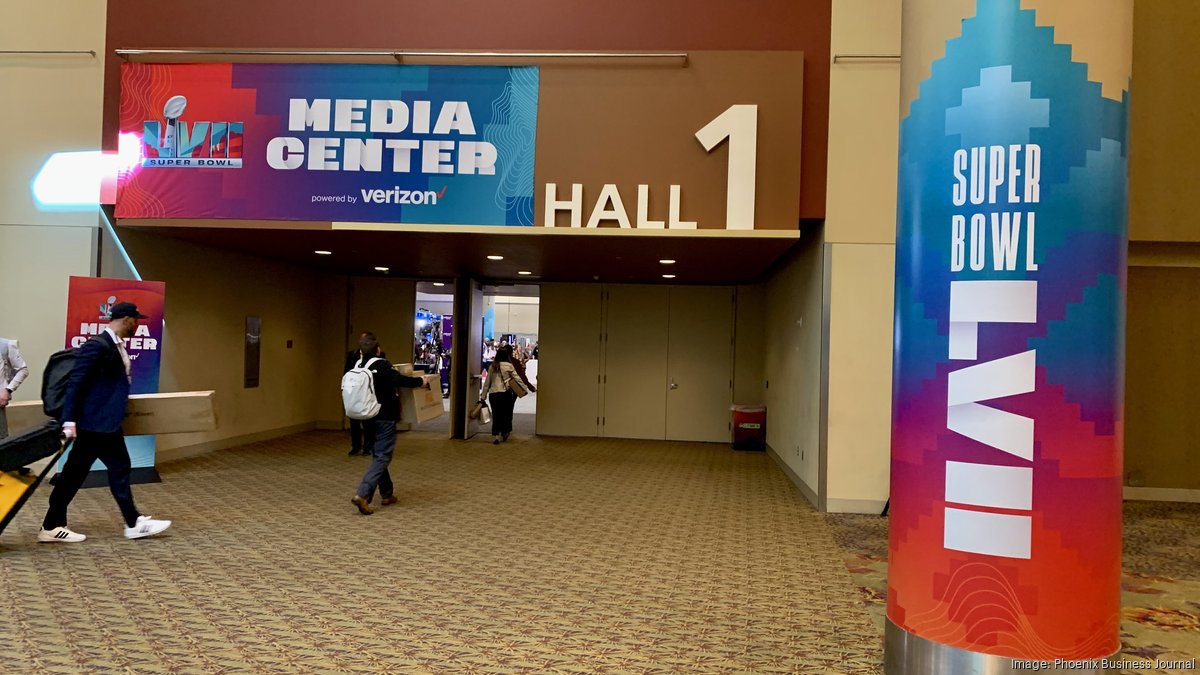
{"x":13,"y":372}
{"x":361,"y":440}
{"x":382,"y":427}
{"x":94,"y":405}
{"x":500,"y":395}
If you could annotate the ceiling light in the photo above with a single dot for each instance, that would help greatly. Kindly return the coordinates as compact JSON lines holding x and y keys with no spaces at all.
{"x":668,"y":276}
{"x":323,"y":252}
{"x":381,"y":269}
{"x":495,"y":257}
{"x":667,"y":261}
{"x":524,"y":273}
{"x":438,"y":283}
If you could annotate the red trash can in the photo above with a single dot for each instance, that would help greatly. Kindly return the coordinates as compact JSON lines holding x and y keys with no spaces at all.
{"x":749,"y":427}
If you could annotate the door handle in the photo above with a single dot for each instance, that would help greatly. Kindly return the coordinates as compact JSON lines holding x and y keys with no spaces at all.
{"x":672,"y":385}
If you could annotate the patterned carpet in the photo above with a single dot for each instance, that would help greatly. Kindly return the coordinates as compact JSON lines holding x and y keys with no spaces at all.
{"x":541,"y":555}
{"x":1160,"y":596}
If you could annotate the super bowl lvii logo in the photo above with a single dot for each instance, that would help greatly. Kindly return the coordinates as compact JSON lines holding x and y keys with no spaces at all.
{"x":209,"y":145}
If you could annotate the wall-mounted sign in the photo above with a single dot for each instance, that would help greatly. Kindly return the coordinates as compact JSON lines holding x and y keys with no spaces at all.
{"x":712,"y":143}
{"x":403,"y":144}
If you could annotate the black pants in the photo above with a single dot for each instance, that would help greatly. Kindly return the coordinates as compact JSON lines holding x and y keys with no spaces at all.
{"x":90,"y":446}
{"x":362,"y":436}
{"x":502,"y":411}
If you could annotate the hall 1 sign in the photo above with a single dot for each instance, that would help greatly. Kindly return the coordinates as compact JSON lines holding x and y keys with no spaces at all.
{"x":739,"y":124}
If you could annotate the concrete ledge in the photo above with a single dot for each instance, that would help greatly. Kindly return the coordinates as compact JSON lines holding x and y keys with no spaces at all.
{"x":1150,"y":494}
{"x":805,"y":490}
{"x":187,"y":451}
{"x":873,"y":507}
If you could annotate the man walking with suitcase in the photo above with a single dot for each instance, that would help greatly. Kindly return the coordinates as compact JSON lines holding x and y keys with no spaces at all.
{"x":97,"y":394}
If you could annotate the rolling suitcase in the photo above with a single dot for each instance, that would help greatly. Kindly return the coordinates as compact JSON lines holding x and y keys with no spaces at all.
{"x":17,"y":452}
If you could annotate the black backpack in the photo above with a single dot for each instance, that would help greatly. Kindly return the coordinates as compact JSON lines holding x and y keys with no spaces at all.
{"x":54,"y":381}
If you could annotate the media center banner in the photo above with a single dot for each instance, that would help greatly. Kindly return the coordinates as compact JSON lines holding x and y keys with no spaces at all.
{"x":368,"y":143}
{"x":89,"y":301}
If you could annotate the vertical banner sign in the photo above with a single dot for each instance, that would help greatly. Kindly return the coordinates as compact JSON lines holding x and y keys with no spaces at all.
{"x":374,"y":143}
{"x":89,"y":301}
{"x":1005,"y":535}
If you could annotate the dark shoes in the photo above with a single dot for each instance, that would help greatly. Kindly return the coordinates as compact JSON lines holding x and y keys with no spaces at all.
{"x":388,"y":501}
{"x":364,"y":507}
{"x":495,"y":440}
{"x":504,"y":436}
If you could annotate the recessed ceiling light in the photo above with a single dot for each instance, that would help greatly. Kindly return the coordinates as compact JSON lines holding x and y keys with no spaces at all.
{"x":495,"y":257}
{"x":381,"y":269}
{"x":667,"y":261}
{"x":668,"y":276}
{"x":323,"y":252}
{"x":438,"y":283}
{"x":524,"y":273}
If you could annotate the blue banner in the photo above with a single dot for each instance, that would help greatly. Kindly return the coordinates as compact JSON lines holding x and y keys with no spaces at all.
{"x":402,"y":144}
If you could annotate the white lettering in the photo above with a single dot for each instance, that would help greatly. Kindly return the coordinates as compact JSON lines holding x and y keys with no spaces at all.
{"x":285,"y":153}
{"x":978,"y":245}
{"x":673,"y":213}
{"x":574,"y":205}
{"x":302,"y":115}
{"x":959,"y":191}
{"x":609,"y":207}
{"x":402,"y":153}
{"x":1006,"y":237}
{"x":958,"y":246}
{"x":322,"y":154}
{"x":435,"y":157}
{"x":362,"y":154}
{"x":455,"y":116}
{"x":420,"y":117}
{"x":643,"y":211}
{"x":348,"y":115}
{"x":476,"y":157}
{"x":388,"y":117}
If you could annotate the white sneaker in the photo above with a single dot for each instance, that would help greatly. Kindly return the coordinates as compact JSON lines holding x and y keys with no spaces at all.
{"x":146,"y":527}
{"x":60,"y":534}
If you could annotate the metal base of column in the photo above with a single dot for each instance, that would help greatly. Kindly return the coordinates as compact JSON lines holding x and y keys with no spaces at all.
{"x":908,"y":654}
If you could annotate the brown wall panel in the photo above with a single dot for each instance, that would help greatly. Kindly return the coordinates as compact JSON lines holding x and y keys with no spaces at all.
{"x":1162,"y":367}
{"x":799,"y":25}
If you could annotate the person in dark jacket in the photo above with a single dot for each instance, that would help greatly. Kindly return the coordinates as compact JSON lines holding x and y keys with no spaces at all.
{"x":93,"y":409}
{"x":382,"y":428}
{"x":361,"y":440}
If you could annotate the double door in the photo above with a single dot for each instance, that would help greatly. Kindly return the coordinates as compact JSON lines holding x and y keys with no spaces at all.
{"x":652,"y":362}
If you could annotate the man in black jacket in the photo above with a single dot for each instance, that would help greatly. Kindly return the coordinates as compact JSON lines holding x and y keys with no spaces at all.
{"x":382,"y":427}
{"x":93,"y":409}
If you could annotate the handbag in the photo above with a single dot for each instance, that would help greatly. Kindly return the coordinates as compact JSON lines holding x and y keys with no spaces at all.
{"x":475,"y":410}
{"x":514,"y":383}
{"x":485,"y":413}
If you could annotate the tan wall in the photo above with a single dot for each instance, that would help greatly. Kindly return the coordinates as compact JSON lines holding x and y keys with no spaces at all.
{"x":519,"y":318}
{"x":1164,"y":127}
{"x":792,"y":347}
{"x":1162,"y":369}
{"x":860,"y":235}
{"x":40,"y":249}
{"x":860,"y":377}
{"x":209,"y":294}
{"x":387,"y":308}
{"x":749,"y":345}
{"x":863,"y":127}
{"x":332,"y":332}
{"x":1162,"y":366}
{"x":35,"y":263}
{"x":65,"y":113}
